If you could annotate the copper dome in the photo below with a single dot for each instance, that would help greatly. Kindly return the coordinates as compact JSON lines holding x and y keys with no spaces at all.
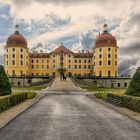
{"x":16,"y":39}
{"x":105,"y":39}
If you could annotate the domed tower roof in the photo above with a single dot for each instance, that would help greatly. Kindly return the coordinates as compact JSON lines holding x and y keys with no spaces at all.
{"x":105,"y":39}
{"x":16,"y":39}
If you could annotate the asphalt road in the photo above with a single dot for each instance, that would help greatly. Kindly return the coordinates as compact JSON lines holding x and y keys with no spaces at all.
{"x":70,"y":116}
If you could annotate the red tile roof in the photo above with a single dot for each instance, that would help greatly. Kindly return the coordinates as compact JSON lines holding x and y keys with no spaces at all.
{"x":39,"y":55}
{"x":62,"y":49}
{"x":83,"y":55}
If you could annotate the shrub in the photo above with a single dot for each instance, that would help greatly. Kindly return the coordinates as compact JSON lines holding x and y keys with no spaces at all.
{"x":11,"y":100}
{"x":5,"y":86}
{"x":134,"y":87}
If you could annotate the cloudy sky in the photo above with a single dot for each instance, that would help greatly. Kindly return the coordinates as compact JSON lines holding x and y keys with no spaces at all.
{"x":75,"y":23}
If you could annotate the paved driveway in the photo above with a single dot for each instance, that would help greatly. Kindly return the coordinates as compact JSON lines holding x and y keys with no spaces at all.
{"x":68,"y":115}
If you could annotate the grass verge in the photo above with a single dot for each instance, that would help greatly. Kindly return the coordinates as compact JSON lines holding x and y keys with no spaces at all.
{"x":39,"y":87}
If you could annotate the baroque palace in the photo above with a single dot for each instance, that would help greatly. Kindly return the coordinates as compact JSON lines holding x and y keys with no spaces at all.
{"x":101,"y":62}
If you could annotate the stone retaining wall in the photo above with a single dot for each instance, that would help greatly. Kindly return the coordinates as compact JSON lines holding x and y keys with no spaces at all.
{"x":105,"y":82}
{"x":23,"y":82}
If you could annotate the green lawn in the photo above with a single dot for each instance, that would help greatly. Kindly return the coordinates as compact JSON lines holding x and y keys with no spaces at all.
{"x":104,"y":90}
{"x":39,"y":87}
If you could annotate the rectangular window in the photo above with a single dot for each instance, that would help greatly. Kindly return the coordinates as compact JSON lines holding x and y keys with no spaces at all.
{"x":47,"y":66}
{"x":125,"y":84}
{"x":89,"y":66}
{"x":69,"y":66}
{"x":75,"y":66}
{"x":37,"y":61}
{"x":109,"y":62}
{"x":79,"y":61}
{"x":100,"y":56}
{"x":42,"y":66}
{"x":109,"y":55}
{"x":69,"y":61}
{"x":116,"y":56}
{"x":85,"y":67}
{"x":75,"y":61}
{"x":53,"y":61}
{"x":13,"y":62}
{"x":32,"y":61}
{"x":47,"y":61}
{"x":89,"y":61}
{"x":100,"y":49}
{"x":42,"y":60}
{"x":100,"y":73}
{"x":21,"y":56}
{"x":109,"y":49}
{"x":119,"y":84}
{"x":100,"y":63}
{"x":13,"y":55}
{"x":21,"y":63}
{"x":21,"y":50}
{"x":116,"y":63}
{"x":37,"y":67}
{"x":13,"y":49}
{"x":85,"y":61}
{"x":79,"y":66}
{"x":7,"y":62}
{"x":32,"y":66}
{"x":109,"y":73}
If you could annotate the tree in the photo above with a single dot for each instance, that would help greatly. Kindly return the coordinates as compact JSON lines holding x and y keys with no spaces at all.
{"x":134,"y":87}
{"x":5,"y":85}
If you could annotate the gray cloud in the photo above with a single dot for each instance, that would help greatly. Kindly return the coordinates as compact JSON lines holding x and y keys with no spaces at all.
{"x":133,"y":48}
{"x":128,"y":66}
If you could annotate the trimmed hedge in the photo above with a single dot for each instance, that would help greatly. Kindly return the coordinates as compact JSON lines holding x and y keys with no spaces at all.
{"x":127,"y":101}
{"x":10,"y":100}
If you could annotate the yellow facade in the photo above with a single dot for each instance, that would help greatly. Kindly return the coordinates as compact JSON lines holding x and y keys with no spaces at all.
{"x":106,"y":61}
{"x":103,"y":61}
{"x":16,"y":61}
{"x":71,"y":65}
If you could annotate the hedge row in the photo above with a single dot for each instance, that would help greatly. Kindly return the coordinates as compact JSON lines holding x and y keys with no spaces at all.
{"x":127,"y":101}
{"x":10,"y":100}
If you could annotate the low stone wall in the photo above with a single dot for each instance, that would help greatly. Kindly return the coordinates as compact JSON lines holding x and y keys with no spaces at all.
{"x":105,"y":82}
{"x":24,"y":82}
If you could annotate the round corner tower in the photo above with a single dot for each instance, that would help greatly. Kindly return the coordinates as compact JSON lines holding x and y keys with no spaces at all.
{"x":16,"y":55}
{"x":105,"y":55}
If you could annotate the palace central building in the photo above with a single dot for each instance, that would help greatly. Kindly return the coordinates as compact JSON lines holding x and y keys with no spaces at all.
{"x":102,"y":61}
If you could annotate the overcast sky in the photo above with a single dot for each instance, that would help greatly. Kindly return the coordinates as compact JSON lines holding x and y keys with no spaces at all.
{"x":75,"y":23}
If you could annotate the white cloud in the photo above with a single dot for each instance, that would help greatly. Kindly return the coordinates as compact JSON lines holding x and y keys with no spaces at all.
{"x":85,"y":15}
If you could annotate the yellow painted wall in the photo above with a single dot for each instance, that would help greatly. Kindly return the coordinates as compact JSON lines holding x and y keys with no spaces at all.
{"x":104,"y":68}
{"x":9,"y":67}
{"x":93,"y":70}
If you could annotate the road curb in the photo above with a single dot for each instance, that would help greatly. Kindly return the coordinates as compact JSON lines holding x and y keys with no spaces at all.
{"x":124,"y":111}
{"x":8,"y":115}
